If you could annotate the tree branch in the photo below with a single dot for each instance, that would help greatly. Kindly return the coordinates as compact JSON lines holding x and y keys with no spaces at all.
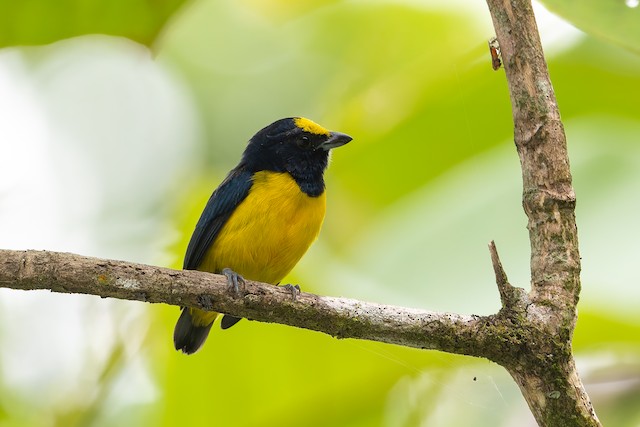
{"x":339,"y":317}
{"x":509,"y":295}
{"x":550,"y":384}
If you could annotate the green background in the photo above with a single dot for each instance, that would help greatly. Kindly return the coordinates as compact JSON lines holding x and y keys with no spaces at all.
{"x":113,"y":140}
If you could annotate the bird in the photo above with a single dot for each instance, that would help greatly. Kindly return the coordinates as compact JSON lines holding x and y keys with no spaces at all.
{"x":262,"y":218}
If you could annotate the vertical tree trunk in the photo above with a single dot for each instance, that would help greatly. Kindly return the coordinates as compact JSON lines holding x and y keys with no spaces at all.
{"x":550,"y":384}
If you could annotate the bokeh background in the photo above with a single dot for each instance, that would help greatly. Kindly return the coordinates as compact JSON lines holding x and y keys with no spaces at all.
{"x":117,"y":120}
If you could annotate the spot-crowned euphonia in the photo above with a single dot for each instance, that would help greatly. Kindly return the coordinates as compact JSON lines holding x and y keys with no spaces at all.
{"x":262,"y":218}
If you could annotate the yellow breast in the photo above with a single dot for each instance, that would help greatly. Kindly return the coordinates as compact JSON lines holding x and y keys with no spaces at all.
{"x":269,"y":231}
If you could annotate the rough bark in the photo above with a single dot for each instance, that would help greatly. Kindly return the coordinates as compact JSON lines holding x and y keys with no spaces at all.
{"x":545,"y":372}
{"x":339,"y":317}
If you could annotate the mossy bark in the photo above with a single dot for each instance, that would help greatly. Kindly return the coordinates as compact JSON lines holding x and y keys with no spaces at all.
{"x":545,"y":370}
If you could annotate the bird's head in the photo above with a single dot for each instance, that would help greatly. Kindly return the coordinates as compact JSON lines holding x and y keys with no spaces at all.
{"x":295,"y":145}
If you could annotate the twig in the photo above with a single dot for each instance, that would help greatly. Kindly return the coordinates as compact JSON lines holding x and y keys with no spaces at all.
{"x":502,"y":281}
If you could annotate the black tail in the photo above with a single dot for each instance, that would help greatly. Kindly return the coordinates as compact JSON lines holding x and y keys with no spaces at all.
{"x":228,"y":321}
{"x":188,"y":337}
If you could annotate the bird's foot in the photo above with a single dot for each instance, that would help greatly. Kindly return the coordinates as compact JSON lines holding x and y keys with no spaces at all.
{"x":234,"y":280}
{"x":294,"y":290}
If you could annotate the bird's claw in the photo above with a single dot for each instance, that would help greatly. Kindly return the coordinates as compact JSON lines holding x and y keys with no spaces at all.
{"x":294,"y":290}
{"x":234,"y":280}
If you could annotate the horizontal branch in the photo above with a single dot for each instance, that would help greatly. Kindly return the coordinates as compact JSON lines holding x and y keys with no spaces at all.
{"x":339,"y":317}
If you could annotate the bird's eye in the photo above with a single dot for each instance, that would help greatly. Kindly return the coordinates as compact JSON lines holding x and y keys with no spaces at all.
{"x":304,"y":141}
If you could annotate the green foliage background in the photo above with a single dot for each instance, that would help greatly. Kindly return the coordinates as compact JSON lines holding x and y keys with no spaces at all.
{"x":430,"y":178}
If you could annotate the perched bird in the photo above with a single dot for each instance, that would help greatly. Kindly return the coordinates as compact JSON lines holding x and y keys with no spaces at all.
{"x":262,"y":218}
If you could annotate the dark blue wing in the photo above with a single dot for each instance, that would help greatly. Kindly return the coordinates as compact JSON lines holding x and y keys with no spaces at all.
{"x":220,"y":206}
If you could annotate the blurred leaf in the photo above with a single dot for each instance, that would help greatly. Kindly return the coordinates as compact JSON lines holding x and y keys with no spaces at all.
{"x":615,"y":72}
{"x":32,"y":22}
{"x":599,"y":330}
{"x":614,"y":21}
{"x":283,"y":10}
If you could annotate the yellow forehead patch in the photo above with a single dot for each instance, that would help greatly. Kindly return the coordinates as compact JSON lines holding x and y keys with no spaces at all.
{"x":310,"y":126}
